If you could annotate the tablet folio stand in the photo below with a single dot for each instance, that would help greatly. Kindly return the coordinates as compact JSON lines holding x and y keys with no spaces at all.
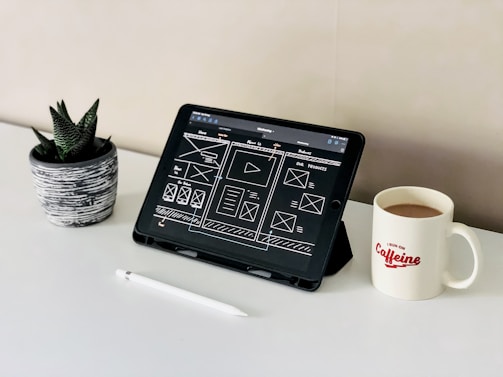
{"x":258,"y":195}
{"x":340,"y":255}
{"x":341,"y":252}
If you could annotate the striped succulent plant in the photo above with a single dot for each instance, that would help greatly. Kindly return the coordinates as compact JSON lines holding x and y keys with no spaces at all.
{"x":72,"y":142}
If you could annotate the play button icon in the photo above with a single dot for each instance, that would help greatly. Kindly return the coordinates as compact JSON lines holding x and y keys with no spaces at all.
{"x":250,"y":168}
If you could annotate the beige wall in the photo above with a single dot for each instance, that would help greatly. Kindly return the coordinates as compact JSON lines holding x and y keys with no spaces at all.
{"x":423,"y":80}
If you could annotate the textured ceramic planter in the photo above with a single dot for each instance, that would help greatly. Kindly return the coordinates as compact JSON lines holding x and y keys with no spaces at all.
{"x":79,"y":193}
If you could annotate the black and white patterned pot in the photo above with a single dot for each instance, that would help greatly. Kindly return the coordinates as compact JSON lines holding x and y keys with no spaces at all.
{"x":78,"y":193}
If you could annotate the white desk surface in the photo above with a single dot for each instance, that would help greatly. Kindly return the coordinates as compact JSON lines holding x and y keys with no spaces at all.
{"x":63,"y":312}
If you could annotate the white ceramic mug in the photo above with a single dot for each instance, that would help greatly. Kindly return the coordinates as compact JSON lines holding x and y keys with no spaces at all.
{"x":410,"y":254}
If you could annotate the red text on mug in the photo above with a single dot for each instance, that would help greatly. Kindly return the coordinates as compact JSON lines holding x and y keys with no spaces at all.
{"x":394,"y":256}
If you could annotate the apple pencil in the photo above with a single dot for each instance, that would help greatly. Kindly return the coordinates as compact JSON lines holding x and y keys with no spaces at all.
{"x":178,"y":292}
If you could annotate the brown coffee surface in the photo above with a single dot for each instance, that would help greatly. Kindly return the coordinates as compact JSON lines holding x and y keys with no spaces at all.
{"x":413,"y":210}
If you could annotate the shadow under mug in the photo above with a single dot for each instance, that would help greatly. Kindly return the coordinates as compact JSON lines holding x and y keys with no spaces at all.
{"x":410,"y":254}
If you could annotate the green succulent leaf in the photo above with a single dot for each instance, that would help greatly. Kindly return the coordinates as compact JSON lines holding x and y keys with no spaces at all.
{"x":43,"y":140}
{"x":47,"y":148}
{"x":89,"y":117}
{"x":104,"y":145}
{"x":85,"y":143}
{"x":63,"y":111}
{"x":66,"y":135}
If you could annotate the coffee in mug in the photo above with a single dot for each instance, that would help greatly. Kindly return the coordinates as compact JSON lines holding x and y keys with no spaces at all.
{"x":410,"y":231}
{"x":413,"y":210}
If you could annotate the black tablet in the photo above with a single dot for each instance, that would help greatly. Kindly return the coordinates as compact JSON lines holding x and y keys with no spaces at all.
{"x":260,"y":195}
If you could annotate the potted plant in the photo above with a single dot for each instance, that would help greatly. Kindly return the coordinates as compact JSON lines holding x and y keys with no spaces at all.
{"x":75,"y":174}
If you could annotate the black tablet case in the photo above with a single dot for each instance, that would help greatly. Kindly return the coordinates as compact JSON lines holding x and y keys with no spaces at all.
{"x":339,"y":254}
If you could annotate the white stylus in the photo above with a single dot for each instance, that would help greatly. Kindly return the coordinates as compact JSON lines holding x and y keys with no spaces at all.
{"x":178,"y":292}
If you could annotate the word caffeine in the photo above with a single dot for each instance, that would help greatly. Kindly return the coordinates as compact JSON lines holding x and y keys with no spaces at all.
{"x":393,"y":260}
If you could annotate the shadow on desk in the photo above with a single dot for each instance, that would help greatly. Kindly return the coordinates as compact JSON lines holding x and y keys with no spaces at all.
{"x":127,"y":207}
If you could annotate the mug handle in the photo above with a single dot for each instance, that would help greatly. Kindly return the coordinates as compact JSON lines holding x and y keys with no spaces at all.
{"x":471,"y":237}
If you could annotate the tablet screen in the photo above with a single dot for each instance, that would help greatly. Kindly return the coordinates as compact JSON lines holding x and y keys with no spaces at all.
{"x":260,"y":191}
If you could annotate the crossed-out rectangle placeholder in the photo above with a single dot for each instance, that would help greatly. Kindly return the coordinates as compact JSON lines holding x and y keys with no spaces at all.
{"x":249,"y":211}
{"x":296,"y":178}
{"x":312,"y":203}
{"x":197,"y":198}
{"x":284,"y":221}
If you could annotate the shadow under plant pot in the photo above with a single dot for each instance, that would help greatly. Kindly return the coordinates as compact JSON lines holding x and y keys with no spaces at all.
{"x":78,"y":193}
